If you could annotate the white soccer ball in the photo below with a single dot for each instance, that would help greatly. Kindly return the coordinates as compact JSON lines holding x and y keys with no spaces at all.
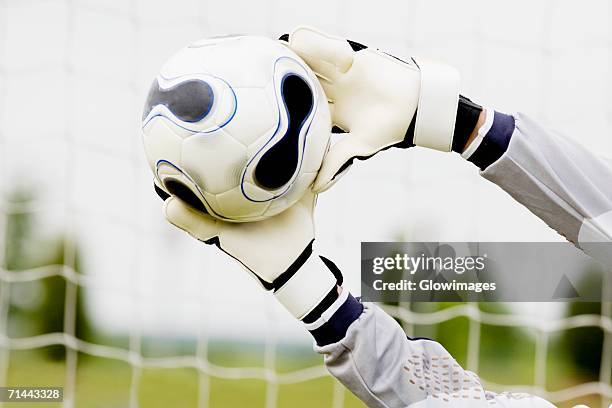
{"x":236,"y":126}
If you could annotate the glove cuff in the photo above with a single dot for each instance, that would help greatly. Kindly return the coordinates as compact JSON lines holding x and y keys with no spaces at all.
{"x":437,"y":106}
{"x":333,"y":323}
{"x":307,"y":287}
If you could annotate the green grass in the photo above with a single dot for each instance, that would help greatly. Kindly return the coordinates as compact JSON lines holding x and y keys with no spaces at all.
{"x":106,"y":383}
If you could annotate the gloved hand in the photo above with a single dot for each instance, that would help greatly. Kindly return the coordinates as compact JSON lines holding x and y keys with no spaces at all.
{"x":379,"y":100}
{"x":278,"y":251}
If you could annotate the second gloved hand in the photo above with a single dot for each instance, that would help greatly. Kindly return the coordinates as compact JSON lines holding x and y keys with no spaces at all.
{"x":377,"y":99}
{"x":278,"y":251}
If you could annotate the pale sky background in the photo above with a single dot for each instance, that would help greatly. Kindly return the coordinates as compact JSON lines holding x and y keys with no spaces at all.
{"x":74,"y":74}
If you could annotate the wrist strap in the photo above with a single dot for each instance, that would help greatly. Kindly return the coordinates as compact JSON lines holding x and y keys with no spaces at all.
{"x":308,"y":286}
{"x":468,"y":113}
{"x":437,"y":108}
{"x":326,"y":315}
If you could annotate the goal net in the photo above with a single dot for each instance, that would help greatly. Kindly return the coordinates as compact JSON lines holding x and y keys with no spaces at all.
{"x":100,"y":296}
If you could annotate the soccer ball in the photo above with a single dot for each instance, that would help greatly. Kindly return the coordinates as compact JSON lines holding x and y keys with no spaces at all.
{"x":236,"y":126}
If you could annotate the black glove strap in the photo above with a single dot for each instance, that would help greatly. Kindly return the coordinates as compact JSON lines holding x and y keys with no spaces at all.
{"x":468,"y":113}
{"x":331,"y":297}
{"x":293,"y":268}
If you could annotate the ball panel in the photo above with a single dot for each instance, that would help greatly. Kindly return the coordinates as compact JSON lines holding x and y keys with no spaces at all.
{"x":252,"y":52}
{"x":211,"y":201}
{"x":317,"y":140}
{"x":279,"y":163}
{"x":189,"y":101}
{"x":203,"y":108}
{"x":255,"y":116}
{"x":214,"y":160}
{"x":233,"y":205}
{"x":301,"y":184}
{"x":255,"y":193}
{"x":161,"y":142}
{"x":257,"y":54}
{"x":179,"y":184}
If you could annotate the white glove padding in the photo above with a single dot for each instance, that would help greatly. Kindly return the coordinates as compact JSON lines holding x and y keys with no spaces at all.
{"x":374,"y":96}
{"x":277,"y":250}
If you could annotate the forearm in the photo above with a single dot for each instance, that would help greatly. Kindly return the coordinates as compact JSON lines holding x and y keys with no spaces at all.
{"x":386,"y":369}
{"x":558,"y":180}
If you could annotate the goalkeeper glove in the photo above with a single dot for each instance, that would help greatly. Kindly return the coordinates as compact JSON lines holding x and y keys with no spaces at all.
{"x":381,"y":101}
{"x":278,"y":251}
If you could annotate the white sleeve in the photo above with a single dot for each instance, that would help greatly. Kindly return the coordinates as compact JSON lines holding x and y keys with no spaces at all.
{"x":386,"y":369}
{"x":558,"y":180}
{"x":565,"y":185}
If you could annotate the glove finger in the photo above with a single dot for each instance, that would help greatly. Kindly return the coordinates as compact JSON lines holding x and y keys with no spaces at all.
{"x":327,"y":55}
{"x":197,"y":224}
{"x":331,"y":106}
{"x":270,"y":246}
{"x":307,"y":202}
{"x":328,"y":88}
{"x":339,"y":157}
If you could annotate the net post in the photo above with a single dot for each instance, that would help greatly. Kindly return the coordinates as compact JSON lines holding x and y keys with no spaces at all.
{"x":69,"y":244}
{"x":605,"y":370}
{"x":473,"y":337}
{"x":4,"y":284}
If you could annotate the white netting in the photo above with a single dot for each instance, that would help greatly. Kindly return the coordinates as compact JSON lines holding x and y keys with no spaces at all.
{"x":73,"y":74}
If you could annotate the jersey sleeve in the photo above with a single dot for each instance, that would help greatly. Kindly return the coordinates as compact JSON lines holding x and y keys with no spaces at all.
{"x":386,"y":369}
{"x":557,"y":179}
